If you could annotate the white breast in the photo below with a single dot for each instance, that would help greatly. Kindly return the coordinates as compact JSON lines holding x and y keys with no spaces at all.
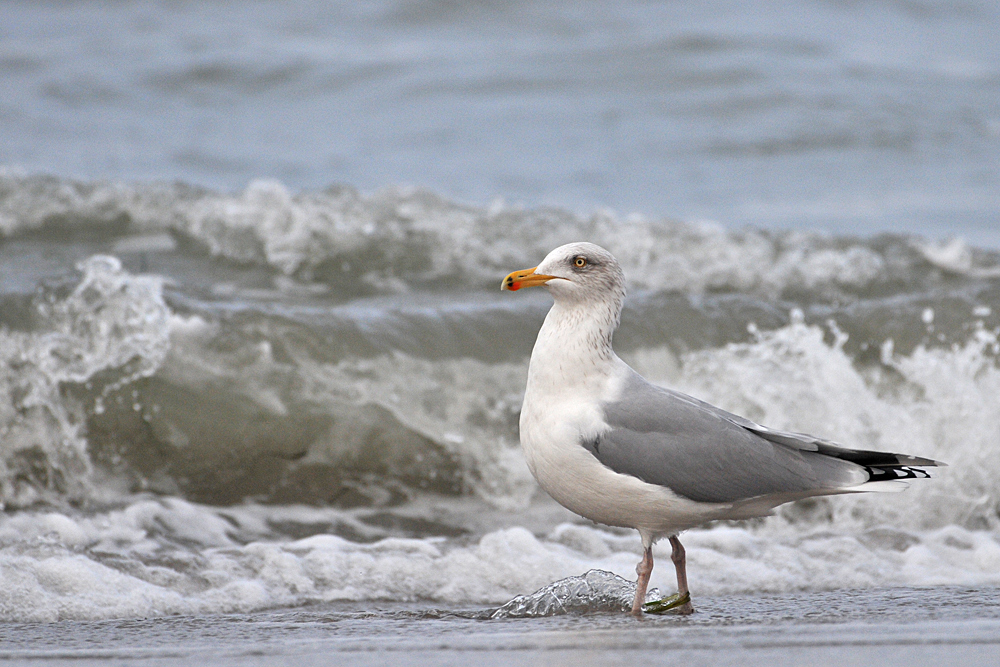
{"x":562,"y":409}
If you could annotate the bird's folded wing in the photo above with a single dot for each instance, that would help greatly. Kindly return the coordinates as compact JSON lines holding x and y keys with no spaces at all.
{"x":811,"y":443}
{"x":709,"y":455}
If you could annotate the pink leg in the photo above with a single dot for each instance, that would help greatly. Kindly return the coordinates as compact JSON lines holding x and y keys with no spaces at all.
{"x":678,"y":557}
{"x":643,"y":569}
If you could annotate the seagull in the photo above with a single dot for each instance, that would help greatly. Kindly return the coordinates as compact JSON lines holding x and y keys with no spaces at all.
{"x":618,"y":450}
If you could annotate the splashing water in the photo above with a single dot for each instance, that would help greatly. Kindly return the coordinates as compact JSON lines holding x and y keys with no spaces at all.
{"x":110,"y":330}
{"x":597,"y":590}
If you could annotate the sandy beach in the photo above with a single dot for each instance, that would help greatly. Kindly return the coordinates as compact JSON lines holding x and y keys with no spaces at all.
{"x":903,"y":626}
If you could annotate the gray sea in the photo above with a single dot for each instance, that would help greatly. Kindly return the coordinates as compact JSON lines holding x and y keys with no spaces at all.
{"x":259,"y":390}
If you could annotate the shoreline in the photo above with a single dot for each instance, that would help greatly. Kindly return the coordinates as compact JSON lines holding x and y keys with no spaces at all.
{"x":897,"y":626}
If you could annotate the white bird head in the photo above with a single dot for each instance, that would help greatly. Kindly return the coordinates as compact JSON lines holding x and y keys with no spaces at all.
{"x":575,"y":272}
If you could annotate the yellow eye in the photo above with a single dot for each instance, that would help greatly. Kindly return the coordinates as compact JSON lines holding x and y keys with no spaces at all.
{"x":580,"y":262}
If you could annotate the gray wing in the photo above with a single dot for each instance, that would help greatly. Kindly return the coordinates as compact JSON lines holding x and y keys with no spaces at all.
{"x":709,"y":455}
{"x":810,"y":443}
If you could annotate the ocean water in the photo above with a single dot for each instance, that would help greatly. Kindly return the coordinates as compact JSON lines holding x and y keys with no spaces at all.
{"x":253,"y":354}
{"x":850,"y":116}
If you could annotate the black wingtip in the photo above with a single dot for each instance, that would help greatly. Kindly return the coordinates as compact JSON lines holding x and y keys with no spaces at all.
{"x":868,"y":458}
{"x":877,"y":474}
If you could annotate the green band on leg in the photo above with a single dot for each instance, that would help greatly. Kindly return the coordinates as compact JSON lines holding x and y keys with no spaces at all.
{"x":666,"y":604}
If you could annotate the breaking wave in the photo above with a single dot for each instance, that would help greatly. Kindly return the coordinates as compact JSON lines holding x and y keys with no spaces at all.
{"x":398,"y":239}
{"x":232,"y":402}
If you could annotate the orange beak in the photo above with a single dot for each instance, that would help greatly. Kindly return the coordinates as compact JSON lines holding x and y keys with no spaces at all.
{"x":524,"y":278}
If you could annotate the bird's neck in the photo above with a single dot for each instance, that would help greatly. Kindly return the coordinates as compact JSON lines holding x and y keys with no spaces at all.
{"x":574,"y":341}
{"x":578,"y":329}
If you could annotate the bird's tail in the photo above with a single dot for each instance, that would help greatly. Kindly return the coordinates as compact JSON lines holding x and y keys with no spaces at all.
{"x":887,"y":472}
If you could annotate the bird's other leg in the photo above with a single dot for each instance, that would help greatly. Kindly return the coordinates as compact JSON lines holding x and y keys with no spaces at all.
{"x":677,"y":555}
{"x":680,"y":602}
{"x":643,"y":569}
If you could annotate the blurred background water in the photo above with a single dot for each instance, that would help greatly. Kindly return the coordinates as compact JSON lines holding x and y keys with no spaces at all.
{"x":848,"y":116}
{"x":253,"y":353}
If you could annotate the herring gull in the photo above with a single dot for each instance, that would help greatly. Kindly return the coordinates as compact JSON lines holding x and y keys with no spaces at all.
{"x":611,"y":447}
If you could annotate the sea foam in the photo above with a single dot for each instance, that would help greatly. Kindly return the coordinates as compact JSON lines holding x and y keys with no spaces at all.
{"x":159,"y":557}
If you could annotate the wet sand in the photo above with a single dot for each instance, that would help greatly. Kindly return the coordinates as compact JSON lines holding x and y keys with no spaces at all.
{"x":903,"y":626}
